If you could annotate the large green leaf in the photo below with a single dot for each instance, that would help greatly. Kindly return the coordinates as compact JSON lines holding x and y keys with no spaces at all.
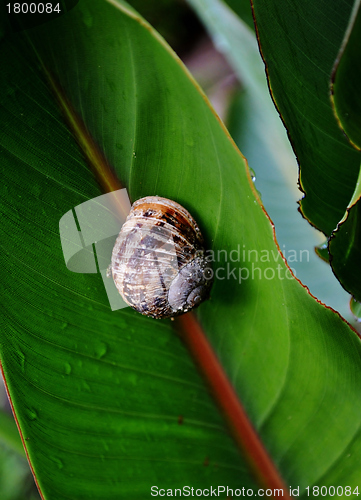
{"x":299,"y":42}
{"x":99,"y":395}
{"x":345,"y":244}
{"x":259,"y":133}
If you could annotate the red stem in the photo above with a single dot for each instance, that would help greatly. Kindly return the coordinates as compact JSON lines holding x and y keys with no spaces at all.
{"x":243,"y":432}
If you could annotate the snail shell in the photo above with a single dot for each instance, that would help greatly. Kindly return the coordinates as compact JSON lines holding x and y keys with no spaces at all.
{"x":158,"y":263}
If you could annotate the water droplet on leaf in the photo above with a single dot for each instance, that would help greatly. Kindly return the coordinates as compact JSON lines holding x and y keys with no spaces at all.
{"x":58,"y":462}
{"x":100,"y":350}
{"x":253,"y":175}
{"x":21,"y":356}
{"x":355,"y":307}
{"x":31,"y":414}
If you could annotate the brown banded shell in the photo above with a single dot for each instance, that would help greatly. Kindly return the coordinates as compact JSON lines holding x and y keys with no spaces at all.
{"x":158,"y":262}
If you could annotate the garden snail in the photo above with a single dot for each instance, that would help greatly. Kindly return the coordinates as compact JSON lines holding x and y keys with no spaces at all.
{"x":158,"y":262}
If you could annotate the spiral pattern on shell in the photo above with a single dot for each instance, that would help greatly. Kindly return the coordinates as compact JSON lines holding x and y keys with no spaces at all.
{"x":158,"y":261}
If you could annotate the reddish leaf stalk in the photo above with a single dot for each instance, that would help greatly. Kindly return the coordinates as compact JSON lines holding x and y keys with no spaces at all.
{"x":243,"y":432}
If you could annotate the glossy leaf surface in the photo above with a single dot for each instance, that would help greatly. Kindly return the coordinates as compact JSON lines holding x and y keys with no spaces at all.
{"x":110,"y":403}
{"x":300,"y":42}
